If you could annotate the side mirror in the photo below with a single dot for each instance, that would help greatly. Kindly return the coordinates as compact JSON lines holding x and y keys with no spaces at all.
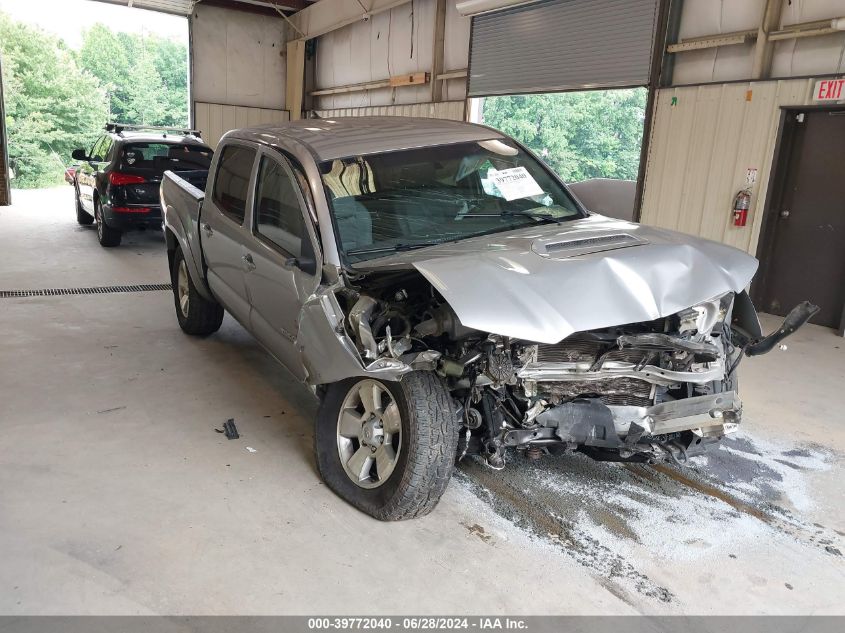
{"x":79,"y":154}
{"x":305,"y":263}
{"x":308,"y":265}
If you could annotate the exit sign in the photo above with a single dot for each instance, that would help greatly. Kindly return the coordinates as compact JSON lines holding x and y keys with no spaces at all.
{"x":829,"y":90}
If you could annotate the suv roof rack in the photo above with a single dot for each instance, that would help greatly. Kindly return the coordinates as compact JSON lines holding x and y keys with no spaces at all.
{"x":118,"y":128}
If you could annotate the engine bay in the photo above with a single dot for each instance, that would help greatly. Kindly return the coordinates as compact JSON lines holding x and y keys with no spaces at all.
{"x":662,"y":389}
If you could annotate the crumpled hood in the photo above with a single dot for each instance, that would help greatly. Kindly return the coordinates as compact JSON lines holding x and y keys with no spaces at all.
{"x":543,"y":283}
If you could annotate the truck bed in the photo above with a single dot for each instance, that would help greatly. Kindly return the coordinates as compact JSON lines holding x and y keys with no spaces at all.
{"x":181,"y":205}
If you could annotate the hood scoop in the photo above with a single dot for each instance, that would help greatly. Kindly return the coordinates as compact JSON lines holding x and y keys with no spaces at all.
{"x":585,"y":245}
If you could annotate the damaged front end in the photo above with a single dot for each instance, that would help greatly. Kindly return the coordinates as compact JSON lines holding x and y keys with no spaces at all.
{"x":647,"y":392}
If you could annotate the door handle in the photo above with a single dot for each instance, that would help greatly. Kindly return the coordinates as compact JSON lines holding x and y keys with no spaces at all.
{"x":248,"y":261}
{"x":207,"y":228}
{"x":784,"y":213}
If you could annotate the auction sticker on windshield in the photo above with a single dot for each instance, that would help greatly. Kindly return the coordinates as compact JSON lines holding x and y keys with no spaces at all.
{"x":515,"y":183}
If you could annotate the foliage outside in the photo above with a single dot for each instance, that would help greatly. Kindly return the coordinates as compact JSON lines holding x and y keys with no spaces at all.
{"x":58,"y":99}
{"x":581,"y":135}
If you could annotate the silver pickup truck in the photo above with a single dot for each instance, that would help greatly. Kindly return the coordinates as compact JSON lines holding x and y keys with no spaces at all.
{"x":445,"y":295}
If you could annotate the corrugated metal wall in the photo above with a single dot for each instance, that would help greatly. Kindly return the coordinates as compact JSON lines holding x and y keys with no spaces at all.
{"x":453,"y":110}
{"x":792,"y":58}
{"x":390,"y":43}
{"x":701,"y":149}
{"x":214,"y":119}
{"x":237,"y":57}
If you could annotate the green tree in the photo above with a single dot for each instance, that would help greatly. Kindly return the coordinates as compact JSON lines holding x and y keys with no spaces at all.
{"x":52,"y":106}
{"x":145,"y":76}
{"x":103,"y":54}
{"x":171,"y":62}
{"x":146,"y":105}
{"x":581,"y":135}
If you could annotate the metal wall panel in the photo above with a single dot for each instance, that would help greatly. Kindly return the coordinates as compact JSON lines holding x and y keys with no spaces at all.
{"x":701,"y":148}
{"x":393,"y":42}
{"x":791,"y":58}
{"x":214,"y":119}
{"x":451,"y":110}
{"x":238,"y":58}
{"x":562,"y":45}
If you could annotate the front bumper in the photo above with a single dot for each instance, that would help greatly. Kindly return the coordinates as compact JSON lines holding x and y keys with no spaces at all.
{"x":706,"y":416}
{"x":590,"y":422}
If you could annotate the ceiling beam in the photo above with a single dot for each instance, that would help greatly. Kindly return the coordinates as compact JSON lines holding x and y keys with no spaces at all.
{"x":437,"y":50}
{"x":712,"y":41}
{"x":183,"y":7}
{"x":326,"y":16}
{"x":261,"y":7}
{"x":764,"y":48}
{"x":172,"y":7}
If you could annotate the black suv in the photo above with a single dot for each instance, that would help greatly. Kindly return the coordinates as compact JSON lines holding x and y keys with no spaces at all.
{"x":118,"y":179}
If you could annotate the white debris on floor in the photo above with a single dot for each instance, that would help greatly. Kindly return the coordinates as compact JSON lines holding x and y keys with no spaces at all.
{"x":623,"y":521}
{"x":765,"y":470}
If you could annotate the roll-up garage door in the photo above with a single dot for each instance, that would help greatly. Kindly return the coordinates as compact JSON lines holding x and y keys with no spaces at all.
{"x":562,"y":45}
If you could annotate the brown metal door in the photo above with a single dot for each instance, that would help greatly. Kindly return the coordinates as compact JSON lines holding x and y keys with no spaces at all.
{"x":806,"y":259}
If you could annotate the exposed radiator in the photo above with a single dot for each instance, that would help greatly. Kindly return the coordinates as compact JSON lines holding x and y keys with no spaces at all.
{"x":616,"y":391}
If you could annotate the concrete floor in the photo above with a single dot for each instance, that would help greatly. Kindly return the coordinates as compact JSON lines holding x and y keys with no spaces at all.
{"x":117,"y":496}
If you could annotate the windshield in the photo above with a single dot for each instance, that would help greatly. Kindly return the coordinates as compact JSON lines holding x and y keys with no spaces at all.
{"x":164,"y":156}
{"x":408,"y":199}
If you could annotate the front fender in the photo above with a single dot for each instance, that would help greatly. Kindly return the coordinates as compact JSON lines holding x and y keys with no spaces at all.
{"x":328,"y":354}
{"x":745,"y":316}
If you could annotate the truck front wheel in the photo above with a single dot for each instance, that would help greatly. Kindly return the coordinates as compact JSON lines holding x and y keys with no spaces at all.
{"x":388,"y":448}
{"x":197,"y":315}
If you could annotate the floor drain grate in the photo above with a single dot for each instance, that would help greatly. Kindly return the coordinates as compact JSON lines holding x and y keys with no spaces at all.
{"x":99,"y":290}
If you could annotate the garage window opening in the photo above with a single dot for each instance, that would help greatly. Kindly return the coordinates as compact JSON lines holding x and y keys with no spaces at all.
{"x":581,"y":135}
{"x":414,"y":198}
{"x":71,"y":66}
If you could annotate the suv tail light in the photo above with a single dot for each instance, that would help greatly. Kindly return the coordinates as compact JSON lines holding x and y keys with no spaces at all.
{"x":131,"y":209}
{"x":117,"y":178}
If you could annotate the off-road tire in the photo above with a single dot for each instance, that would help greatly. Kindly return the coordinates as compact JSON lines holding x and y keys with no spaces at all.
{"x":426,"y":459}
{"x":106,"y":235}
{"x":203,"y":316}
{"x":82,"y":216}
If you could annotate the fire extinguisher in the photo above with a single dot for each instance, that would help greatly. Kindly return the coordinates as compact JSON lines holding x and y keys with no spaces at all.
{"x":740,"y":209}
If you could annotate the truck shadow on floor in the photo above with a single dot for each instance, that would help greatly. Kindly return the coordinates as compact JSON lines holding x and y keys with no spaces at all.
{"x":283,"y":408}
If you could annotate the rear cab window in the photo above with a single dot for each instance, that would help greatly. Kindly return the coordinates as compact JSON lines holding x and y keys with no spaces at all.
{"x":165,"y":156}
{"x":231,"y":182}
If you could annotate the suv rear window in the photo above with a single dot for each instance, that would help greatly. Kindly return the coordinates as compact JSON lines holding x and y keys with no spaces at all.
{"x":164,"y":156}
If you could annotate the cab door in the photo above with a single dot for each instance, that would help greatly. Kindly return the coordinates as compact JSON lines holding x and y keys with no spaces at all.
{"x":282,"y":256}
{"x":222,"y":228}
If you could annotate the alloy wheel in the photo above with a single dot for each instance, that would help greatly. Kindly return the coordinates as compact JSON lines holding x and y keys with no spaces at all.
{"x":98,"y":216}
{"x":182,"y":290}
{"x":369,"y":433}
